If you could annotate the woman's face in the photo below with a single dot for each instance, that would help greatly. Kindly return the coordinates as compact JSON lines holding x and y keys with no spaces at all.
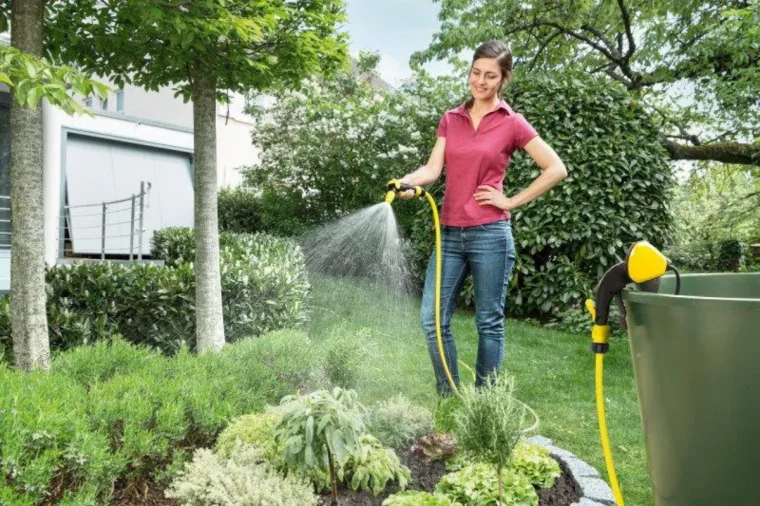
{"x":485,"y":78}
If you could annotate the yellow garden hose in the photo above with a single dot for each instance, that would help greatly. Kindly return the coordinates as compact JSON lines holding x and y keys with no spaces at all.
{"x":603,"y":430}
{"x":600,"y":337}
{"x":438,"y":331}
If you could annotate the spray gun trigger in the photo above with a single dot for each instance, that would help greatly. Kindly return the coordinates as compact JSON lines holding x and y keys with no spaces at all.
{"x":591,"y":308}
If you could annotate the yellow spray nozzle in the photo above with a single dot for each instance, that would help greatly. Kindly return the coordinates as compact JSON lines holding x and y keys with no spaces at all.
{"x":395,"y":186}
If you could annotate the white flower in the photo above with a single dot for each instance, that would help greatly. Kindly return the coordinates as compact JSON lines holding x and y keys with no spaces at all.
{"x":378,"y":133}
{"x":415,"y":136}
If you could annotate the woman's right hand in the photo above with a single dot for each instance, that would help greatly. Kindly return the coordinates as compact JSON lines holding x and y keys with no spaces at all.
{"x":408,"y":194}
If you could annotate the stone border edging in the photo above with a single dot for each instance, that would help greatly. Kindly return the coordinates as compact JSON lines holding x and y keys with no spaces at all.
{"x":593,"y":489}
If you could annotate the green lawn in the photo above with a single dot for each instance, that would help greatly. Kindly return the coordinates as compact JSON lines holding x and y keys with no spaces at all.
{"x":554,"y":373}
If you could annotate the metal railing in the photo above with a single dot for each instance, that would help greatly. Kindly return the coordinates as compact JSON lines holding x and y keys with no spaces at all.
{"x":107,"y":218}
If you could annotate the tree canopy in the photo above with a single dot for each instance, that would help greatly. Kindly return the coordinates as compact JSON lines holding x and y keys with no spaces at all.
{"x":695,"y":64}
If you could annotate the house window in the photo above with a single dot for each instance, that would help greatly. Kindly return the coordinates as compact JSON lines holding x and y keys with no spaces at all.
{"x":120,"y":102}
{"x":104,"y":103}
{"x":88,"y":102}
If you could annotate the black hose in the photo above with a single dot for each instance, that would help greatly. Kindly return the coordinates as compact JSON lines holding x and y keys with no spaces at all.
{"x":678,"y":278}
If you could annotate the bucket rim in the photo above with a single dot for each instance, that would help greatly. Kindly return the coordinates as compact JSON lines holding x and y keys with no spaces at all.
{"x":665,"y":299}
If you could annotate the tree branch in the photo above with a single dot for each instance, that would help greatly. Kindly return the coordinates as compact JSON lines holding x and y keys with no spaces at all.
{"x":726,"y":152}
{"x":691,"y":138}
{"x":541,"y":49}
{"x":600,"y":35}
{"x":628,"y":32}
{"x":610,"y":71}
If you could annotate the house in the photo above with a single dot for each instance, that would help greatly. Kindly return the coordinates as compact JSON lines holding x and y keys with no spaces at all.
{"x":93,"y":166}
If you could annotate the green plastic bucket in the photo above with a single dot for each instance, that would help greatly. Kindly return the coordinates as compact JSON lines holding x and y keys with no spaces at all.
{"x":696,"y":359}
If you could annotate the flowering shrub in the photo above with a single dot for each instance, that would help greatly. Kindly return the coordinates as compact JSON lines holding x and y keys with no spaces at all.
{"x":329,"y":148}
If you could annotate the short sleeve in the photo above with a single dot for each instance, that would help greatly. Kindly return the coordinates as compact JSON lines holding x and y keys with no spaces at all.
{"x":443,"y":126}
{"x":523,"y":131}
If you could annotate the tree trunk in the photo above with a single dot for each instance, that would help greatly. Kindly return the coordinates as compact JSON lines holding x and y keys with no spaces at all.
{"x":726,"y":152}
{"x":31,"y":345}
{"x":208,"y":286}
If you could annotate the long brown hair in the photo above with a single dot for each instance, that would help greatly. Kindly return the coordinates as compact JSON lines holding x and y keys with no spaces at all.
{"x":497,"y":50}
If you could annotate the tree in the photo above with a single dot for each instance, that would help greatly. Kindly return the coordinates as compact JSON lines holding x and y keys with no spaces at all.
{"x":30,"y":79}
{"x":659,"y":50}
{"x":207,"y":49}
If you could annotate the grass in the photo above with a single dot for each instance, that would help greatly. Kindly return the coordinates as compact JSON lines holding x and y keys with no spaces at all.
{"x":554,"y":372}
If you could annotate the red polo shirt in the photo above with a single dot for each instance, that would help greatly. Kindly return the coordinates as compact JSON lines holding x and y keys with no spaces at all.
{"x":478,"y":157}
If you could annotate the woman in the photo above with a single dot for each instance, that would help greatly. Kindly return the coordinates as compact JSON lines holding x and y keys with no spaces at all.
{"x":475,"y":142}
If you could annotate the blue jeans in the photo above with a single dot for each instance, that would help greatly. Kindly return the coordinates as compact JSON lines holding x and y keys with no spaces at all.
{"x":488,"y":253}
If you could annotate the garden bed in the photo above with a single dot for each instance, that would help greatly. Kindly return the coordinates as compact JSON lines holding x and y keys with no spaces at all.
{"x":426,"y":476}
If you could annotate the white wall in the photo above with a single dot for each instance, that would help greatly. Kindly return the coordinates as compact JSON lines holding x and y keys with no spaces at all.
{"x":233,"y":138}
{"x":54,"y":122}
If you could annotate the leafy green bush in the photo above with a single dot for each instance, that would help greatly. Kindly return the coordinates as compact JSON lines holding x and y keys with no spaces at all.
{"x":730,"y":253}
{"x":115,"y":413}
{"x":566,"y":239}
{"x":336,"y":143}
{"x":239,"y":210}
{"x":264,"y":288}
{"x":46,"y":438}
{"x":344,"y":355}
{"x":87,"y":365}
{"x":321,"y":431}
{"x":418,"y":498}
{"x":254,"y":429}
{"x":264,"y":281}
{"x":397,"y":422}
{"x":245,"y":478}
{"x":477,"y":484}
{"x":535,"y":463}
{"x":489,"y":424}
{"x":373,"y":466}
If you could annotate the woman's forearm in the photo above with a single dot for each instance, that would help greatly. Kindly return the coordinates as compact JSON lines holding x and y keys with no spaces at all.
{"x":548,"y":178}
{"x":420,"y":177}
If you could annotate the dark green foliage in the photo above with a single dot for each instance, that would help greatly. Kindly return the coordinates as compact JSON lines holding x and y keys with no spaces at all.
{"x":347,"y":145}
{"x":616,"y":193}
{"x":114,"y":412}
{"x":239,"y":211}
{"x":264,"y":288}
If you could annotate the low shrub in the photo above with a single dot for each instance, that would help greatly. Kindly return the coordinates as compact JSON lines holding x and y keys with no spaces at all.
{"x":344,"y":356}
{"x":264,"y":279}
{"x":535,"y":463}
{"x":488,"y":426}
{"x":478,"y":484}
{"x":245,"y":479}
{"x":73,"y":433}
{"x":373,"y":466}
{"x":418,"y":498}
{"x":254,"y":429}
{"x":397,"y":422}
{"x":239,"y":210}
{"x":321,"y":431}
{"x":264,"y":288}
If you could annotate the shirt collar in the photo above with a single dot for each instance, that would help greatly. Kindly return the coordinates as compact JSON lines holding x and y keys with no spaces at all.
{"x":462,"y":109}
